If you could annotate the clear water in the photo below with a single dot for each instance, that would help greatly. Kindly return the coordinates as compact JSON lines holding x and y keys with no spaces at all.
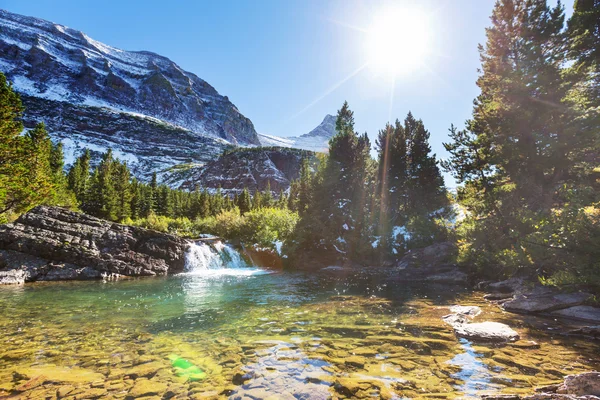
{"x":257,"y":333}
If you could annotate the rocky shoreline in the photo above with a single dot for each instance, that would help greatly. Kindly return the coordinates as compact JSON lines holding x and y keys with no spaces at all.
{"x":51,"y":243}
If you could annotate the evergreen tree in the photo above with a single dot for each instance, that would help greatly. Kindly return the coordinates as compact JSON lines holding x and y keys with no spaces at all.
{"x":268,"y":196}
{"x":78,"y":178}
{"x":164,"y":202}
{"x":244,"y":201}
{"x":39,"y":187}
{"x":123,"y":191}
{"x":304,"y":188}
{"x":519,"y":155}
{"x":204,"y":210}
{"x":257,"y":201}
{"x":136,"y":199}
{"x":103,"y":196}
{"x":282,"y":200}
{"x":217,"y":202}
{"x":337,"y":220}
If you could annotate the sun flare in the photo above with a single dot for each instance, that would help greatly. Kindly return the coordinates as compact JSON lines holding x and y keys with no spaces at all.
{"x":398,"y":41}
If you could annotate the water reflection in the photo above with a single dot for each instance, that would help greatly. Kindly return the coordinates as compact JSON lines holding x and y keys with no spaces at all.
{"x":474,"y":373}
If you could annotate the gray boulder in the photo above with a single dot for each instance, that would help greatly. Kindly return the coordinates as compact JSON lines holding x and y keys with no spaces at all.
{"x":534,"y":302}
{"x":587,"y":383}
{"x":51,"y":243}
{"x":583,"y":313}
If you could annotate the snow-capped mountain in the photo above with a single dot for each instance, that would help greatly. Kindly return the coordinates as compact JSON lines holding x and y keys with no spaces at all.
{"x":316,"y":140}
{"x":90,"y":95}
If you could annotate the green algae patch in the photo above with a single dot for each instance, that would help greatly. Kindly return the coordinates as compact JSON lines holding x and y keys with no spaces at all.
{"x":184,"y":368}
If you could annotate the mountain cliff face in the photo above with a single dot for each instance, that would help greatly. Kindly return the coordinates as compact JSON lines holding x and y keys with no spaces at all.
{"x":316,"y":140}
{"x":151,"y":112}
{"x":252,"y":168}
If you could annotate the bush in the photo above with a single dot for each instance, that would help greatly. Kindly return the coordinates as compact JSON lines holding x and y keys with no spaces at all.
{"x":266,"y":226}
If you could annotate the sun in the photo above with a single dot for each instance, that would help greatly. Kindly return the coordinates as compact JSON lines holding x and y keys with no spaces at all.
{"x":398,"y":41}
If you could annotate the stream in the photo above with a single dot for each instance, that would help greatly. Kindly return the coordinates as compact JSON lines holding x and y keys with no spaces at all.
{"x":227,"y":329}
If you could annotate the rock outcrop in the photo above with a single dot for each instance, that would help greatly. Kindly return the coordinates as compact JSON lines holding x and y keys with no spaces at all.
{"x":431,"y":264}
{"x":533,"y":301}
{"x":526,"y":296}
{"x":50,"y":243}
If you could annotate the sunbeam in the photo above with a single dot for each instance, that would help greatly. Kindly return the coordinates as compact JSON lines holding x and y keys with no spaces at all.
{"x":330,"y":90}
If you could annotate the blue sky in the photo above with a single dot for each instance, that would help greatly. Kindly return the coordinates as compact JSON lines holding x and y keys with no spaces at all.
{"x":281,"y":61}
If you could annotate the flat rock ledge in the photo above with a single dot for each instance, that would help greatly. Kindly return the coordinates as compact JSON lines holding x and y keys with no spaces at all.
{"x":585,"y":386}
{"x":524,"y":296}
{"x":490,"y":332}
{"x":51,"y":243}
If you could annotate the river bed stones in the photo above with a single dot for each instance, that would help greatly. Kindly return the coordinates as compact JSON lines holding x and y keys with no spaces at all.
{"x":372,"y":348}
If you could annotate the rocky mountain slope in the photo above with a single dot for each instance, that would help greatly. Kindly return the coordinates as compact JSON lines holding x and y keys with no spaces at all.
{"x":316,"y":140}
{"x":151,"y":112}
{"x":252,"y":168}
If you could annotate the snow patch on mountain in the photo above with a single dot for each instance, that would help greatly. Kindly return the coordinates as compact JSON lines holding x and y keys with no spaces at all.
{"x":316,"y":140}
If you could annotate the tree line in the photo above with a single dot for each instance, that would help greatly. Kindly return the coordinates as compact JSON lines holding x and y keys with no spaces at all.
{"x":110,"y":191}
{"x":527,"y":162}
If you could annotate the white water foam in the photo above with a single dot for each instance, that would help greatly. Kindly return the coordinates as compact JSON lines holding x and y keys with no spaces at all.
{"x":217,"y":259}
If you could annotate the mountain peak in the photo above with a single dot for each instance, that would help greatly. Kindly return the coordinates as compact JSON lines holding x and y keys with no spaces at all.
{"x":53,"y":62}
{"x":325,"y":129}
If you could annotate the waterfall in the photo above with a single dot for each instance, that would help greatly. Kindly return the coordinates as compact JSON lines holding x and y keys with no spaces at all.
{"x":202,"y":257}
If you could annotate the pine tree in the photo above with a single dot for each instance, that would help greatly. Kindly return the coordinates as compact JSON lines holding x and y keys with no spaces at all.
{"x":39,"y":186}
{"x":257,"y":201}
{"x":103,"y":196}
{"x":244,"y":201}
{"x":304,"y":189}
{"x":337,"y":220}
{"x":135,"y":204}
{"x":268,"y":196}
{"x":282,"y":200}
{"x":426,"y":190}
{"x":520,"y":150}
{"x":204,"y":210}
{"x":78,"y":178}
{"x":123,"y":191}
{"x":164,"y":203}
{"x":217,"y":202}
{"x":13,"y":165}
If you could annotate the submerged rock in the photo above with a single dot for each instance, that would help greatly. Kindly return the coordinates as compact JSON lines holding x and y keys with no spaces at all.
{"x":487,"y":332}
{"x":481,"y":331}
{"x":51,"y":243}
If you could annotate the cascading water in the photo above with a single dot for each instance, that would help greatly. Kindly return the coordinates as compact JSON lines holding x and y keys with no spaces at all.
{"x":216,"y":259}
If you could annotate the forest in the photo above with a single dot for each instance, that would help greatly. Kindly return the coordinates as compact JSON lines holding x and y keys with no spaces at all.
{"x":527,"y":164}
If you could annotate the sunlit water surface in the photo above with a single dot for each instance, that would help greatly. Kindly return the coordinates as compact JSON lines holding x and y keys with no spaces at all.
{"x":255,"y":334}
